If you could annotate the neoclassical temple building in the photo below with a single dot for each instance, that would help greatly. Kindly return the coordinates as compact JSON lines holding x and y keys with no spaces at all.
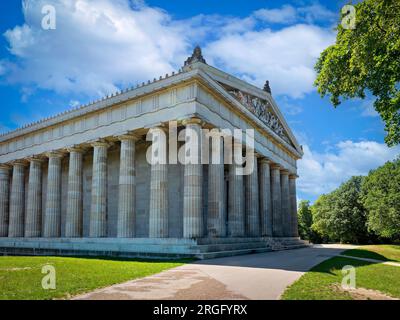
{"x":79,"y":183}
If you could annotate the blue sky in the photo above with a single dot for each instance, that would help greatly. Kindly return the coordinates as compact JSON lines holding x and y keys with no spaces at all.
{"x":101,"y":46}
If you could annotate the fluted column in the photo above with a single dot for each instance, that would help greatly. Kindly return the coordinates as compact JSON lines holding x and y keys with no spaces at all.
{"x":4,"y":199}
{"x":74,"y":216}
{"x":52,"y":218}
{"x":33,"y":223}
{"x":17,"y":201}
{"x":265,"y":199}
{"x":158,"y":224}
{"x":193,"y":225}
{"x":276,"y":201}
{"x":252,"y":202}
{"x":98,"y":214}
{"x":216,"y":221}
{"x":236,"y":203}
{"x":285,"y":207}
{"x":127,"y":188}
{"x":294,"y":232}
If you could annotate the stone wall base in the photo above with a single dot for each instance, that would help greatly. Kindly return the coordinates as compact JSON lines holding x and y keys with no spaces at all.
{"x":166,"y":248}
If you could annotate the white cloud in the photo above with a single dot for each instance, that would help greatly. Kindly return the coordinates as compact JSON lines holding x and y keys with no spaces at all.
{"x":101,"y":45}
{"x":323,"y":172}
{"x":96,"y":45}
{"x":288,"y":14}
{"x":285,"y":57}
{"x":285,"y":14}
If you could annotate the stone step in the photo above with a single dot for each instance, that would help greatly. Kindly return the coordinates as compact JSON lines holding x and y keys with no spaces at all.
{"x":291,"y":247}
{"x":230,"y":246}
{"x":205,"y":241}
{"x":231,"y":253}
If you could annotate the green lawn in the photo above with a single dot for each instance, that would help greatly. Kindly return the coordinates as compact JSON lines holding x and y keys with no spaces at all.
{"x":379,"y":252}
{"x":21,"y":277}
{"x":323,"y":282}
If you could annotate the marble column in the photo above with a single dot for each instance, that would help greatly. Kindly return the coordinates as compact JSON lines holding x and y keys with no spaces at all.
{"x":265,"y":199}
{"x":74,"y":216}
{"x":193,"y":223}
{"x":98,"y":214}
{"x":158,"y":224}
{"x":294,"y":232}
{"x":236,"y":203}
{"x":276,"y":201}
{"x":17,"y":201}
{"x":33,"y":223}
{"x":216,"y":220}
{"x":4,"y":199}
{"x":52,"y":218}
{"x":285,"y":206}
{"x":127,"y":188}
{"x":252,"y":202}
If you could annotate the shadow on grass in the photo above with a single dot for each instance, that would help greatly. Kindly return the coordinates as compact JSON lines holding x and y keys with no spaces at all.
{"x":337,"y":263}
{"x":361,"y":253}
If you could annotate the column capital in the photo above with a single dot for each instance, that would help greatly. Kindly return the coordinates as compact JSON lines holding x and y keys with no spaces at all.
{"x":284,"y":172}
{"x":54,"y":154}
{"x":5,"y":166}
{"x":275,"y":166}
{"x":293,"y":176}
{"x":265,"y":160}
{"x":76,"y":149}
{"x":101,"y":143}
{"x":39,"y":159}
{"x":192,"y":120}
{"x":20,"y":162}
{"x":128,"y":136}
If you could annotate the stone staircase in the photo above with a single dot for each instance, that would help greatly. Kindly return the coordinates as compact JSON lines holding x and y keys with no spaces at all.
{"x":216,"y":248}
{"x":241,"y":246}
{"x":204,"y":248}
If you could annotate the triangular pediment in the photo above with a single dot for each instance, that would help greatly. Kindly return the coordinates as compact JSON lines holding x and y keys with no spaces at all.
{"x":261,"y":108}
{"x":258,"y":102}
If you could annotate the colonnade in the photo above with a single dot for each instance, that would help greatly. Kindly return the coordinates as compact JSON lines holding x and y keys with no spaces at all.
{"x":262,"y":204}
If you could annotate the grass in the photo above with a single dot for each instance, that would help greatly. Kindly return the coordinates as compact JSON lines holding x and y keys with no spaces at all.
{"x":323,"y":282}
{"x":21,"y":277}
{"x":378,"y":252}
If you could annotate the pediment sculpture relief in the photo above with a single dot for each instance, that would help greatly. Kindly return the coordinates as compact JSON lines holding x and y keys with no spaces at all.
{"x":262,"y":109}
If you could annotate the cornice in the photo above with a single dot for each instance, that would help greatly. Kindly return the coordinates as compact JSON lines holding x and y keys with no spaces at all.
{"x":120,"y":97}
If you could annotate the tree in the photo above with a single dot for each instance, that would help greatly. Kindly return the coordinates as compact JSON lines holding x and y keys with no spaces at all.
{"x":305,"y":222}
{"x":340,"y":215}
{"x":366,"y":60}
{"x":381,"y":197}
{"x":305,"y":219}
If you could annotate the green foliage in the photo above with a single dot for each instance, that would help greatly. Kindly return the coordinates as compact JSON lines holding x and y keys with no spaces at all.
{"x":340,"y":215}
{"x":381,"y":198}
{"x":362,"y":210}
{"x":366,"y":59}
{"x":305,"y":219}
